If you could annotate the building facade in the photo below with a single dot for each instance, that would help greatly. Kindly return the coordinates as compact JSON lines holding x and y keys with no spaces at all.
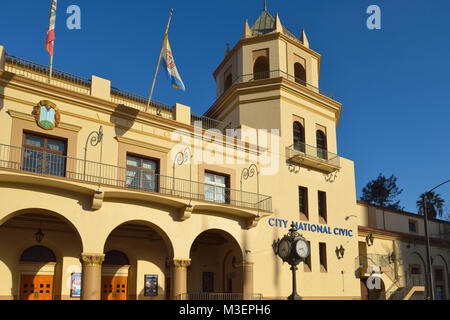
{"x":106,"y":196}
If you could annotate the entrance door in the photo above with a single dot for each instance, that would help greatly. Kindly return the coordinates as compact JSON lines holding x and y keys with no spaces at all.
{"x":114,"y":288}
{"x":34,"y":287}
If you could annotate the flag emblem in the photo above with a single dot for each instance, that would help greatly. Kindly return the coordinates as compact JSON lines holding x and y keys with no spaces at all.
{"x":49,"y":41}
{"x":169,"y":64}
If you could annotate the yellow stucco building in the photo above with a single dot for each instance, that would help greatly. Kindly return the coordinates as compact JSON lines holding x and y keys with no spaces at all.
{"x":106,"y":197}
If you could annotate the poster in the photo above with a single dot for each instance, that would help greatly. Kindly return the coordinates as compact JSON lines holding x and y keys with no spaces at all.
{"x":151,"y":285}
{"x":75,"y":287}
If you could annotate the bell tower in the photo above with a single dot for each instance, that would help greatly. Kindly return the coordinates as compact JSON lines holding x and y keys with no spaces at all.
{"x":270,"y":79}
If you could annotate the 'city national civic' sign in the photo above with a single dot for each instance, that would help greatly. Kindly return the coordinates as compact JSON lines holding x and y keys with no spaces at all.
{"x":47,"y":115}
{"x":315,"y":228}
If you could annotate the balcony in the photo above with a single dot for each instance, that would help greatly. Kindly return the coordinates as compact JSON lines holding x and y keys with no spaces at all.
{"x":61,"y":167}
{"x":313,"y":157}
{"x":276,"y":74}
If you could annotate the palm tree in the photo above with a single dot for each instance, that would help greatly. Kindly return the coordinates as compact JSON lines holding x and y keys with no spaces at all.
{"x":435,"y":205}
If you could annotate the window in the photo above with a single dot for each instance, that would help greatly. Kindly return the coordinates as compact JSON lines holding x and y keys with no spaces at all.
{"x":216,"y":188}
{"x":116,"y":258}
{"x":38,"y":254}
{"x":44,"y":155}
{"x":142,"y":174}
{"x":307,"y":264}
{"x":415,"y":269}
{"x":323,"y":257}
{"x":321,"y":138}
{"x":303,"y":202}
{"x":299,"y":137}
{"x":300,"y":73}
{"x":208,"y":281}
{"x":322,"y":202}
{"x":228,"y":79}
{"x":413,"y":226}
{"x":438,"y":275}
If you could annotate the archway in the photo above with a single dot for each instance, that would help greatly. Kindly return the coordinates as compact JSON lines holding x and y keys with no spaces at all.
{"x":300,"y":74}
{"x":215,"y":265}
{"x":441,"y":278}
{"x":135,"y":265}
{"x":37,"y":266}
{"x":261,"y":68}
{"x":39,"y":247}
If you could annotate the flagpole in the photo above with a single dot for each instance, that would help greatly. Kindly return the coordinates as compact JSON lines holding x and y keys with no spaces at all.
{"x":159,"y":61}
{"x":51,"y":70}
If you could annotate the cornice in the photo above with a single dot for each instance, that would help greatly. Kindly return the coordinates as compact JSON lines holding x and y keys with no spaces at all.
{"x":28,"y":117}
{"x":141,"y":144}
{"x":272,"y":84}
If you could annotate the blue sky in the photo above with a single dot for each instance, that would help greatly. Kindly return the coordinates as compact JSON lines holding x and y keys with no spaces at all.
{"x":394,"y":83}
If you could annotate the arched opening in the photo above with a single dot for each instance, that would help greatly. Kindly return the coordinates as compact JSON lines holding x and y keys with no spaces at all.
{"x":440,"y":279}
{"x":116,"y":258}
{"x":321,"y":139}
{"x":215,"y":270}
{"x":33,"y":266}
{"x":299,"y":137}
{"x":37,"y":286}
{"x":300,"y":74}
{"x":261,"y":68}
{"x":38,"y":254}
{"x":135,"y":265}
{"x":115,"y":271}
{"x":228,"y":82}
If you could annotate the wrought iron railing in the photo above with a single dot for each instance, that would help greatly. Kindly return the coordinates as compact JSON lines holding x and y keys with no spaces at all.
{"x":202,"y":296}
{"x":140,"y":103}
{"x":39,"y":72}
{"x":302,"y":149}
{"x":277,"y":74}
{"x":209,"y":123}
{"x":364,"y":261}
{"x":49,"y":164}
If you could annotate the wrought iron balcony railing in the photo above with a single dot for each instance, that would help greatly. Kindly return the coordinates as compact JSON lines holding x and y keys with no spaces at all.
{"x":364,"y":261}
{"x":276,"y":74}
{"x":219,"y":296}
{"x":302,"y":150}
{"x":49,"y":164}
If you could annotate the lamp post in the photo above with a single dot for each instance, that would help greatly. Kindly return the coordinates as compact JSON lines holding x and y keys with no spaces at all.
{"x":293,"y":249}
{"x":430,"y":291}
{"x":94,"y":139}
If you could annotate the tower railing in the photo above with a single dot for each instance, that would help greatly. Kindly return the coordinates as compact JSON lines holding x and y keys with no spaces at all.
{"x":276,"y":74}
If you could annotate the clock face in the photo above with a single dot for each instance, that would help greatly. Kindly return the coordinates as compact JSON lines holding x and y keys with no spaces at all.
{"x":302,"y":249}
{"x":283,"y":249}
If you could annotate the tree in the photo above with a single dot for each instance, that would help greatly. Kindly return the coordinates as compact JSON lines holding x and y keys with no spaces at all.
{"x":435,"y":205}
{"x":382,"y":192}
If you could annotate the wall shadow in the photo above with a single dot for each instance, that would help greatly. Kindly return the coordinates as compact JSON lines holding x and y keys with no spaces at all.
{"x":123,"y":118}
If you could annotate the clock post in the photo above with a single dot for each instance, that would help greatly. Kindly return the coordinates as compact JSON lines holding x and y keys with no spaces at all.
{"x":293,"y":249}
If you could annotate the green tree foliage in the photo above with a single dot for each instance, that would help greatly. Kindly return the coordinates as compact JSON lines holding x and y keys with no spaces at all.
{"x":435,"y":205}
{"x":382,"y":192}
